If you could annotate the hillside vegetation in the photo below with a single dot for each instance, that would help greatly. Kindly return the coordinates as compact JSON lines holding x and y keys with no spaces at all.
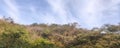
{"x":14,"y":35}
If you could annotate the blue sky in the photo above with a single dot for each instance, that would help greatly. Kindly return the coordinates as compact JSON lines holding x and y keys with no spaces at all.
{"x":88,"y":13}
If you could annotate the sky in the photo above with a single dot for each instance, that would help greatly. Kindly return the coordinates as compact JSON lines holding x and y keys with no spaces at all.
{"x":87,"y":13}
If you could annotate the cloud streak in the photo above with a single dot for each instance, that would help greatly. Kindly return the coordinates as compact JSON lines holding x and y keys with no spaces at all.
{"x":12,"y":9}
{"x":58,"y":9}
{"x":94,"y":13}
{"x":88,"y":13}
{"x":84,"y":11}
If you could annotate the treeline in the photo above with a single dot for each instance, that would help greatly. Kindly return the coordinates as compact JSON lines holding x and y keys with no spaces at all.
{"x":14,"y":35}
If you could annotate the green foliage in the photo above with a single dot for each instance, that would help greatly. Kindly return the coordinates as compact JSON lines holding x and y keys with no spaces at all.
{"x":16,"y":36}
{"x":42,"y":43}
{"x":13,"y":35}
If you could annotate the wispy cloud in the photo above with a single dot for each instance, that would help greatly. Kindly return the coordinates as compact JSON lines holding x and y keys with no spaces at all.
{"x":88,"y":13}
{"x":59,"y":10}
{"x":42,"y":17}
{"x":12,"y":9}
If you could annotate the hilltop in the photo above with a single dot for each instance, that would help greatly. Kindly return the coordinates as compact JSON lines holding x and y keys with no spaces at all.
{"x":13,"y":35}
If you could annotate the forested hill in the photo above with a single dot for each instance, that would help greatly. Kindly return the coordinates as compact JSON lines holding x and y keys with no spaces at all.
{"x":14,"y":35}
